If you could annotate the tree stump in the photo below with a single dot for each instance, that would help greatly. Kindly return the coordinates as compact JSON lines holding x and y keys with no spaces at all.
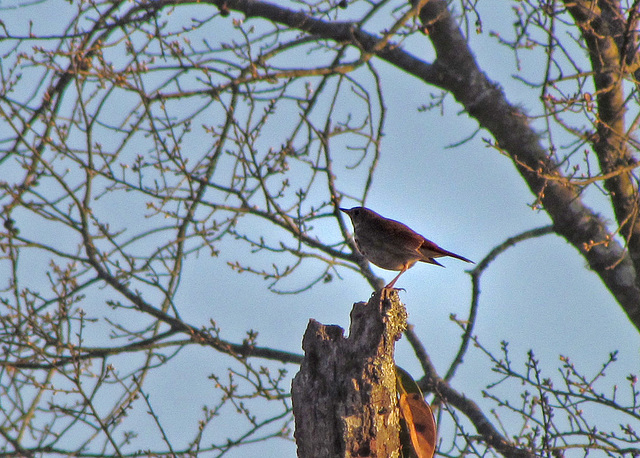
{"x":344,"y":396}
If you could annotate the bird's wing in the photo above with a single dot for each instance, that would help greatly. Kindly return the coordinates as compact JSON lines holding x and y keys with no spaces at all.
{"x":405,"y":236}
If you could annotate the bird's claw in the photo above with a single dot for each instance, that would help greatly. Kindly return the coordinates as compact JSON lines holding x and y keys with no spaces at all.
{"x":386,"y":291}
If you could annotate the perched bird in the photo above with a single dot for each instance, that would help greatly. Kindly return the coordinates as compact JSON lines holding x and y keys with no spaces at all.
{"x":391,"y":245}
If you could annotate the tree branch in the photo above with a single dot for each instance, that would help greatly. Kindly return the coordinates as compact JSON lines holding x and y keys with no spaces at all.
{"x":456,"y":71}
{"x":604,"y":31}
{"x":486,"y":102}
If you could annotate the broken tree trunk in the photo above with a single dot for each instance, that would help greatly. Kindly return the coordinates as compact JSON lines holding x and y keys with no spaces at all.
{"x":344,"y":396}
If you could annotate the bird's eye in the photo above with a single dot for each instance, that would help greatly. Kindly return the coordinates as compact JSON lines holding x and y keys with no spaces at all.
{"x":356,"y":212}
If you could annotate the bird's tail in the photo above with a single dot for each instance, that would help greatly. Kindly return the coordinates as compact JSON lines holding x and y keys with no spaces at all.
{"x":457,"y":256}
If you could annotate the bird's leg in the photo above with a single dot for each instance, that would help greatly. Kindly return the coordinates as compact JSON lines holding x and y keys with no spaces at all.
{"x":393,"y":282}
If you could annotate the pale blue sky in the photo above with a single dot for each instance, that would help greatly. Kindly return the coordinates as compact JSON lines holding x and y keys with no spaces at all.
{"x":538,"y":295}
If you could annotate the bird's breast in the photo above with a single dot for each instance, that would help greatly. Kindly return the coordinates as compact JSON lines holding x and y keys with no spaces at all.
{"x":386,"y":255}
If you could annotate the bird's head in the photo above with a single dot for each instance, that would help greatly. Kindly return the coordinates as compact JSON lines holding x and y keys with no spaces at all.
{"x":358,"y":214}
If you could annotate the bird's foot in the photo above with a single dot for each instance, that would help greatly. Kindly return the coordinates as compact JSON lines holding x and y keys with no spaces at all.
{"x":387,"y":290}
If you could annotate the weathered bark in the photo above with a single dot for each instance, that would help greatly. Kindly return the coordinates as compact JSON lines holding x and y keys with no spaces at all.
{"x":344,"y":396}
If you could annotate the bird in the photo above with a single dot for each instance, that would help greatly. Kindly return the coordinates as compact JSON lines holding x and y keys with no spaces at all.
{"x":391,"y":245}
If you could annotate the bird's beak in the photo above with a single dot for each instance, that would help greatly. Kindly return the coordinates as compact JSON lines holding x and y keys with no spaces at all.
{"x":344,"y":210}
